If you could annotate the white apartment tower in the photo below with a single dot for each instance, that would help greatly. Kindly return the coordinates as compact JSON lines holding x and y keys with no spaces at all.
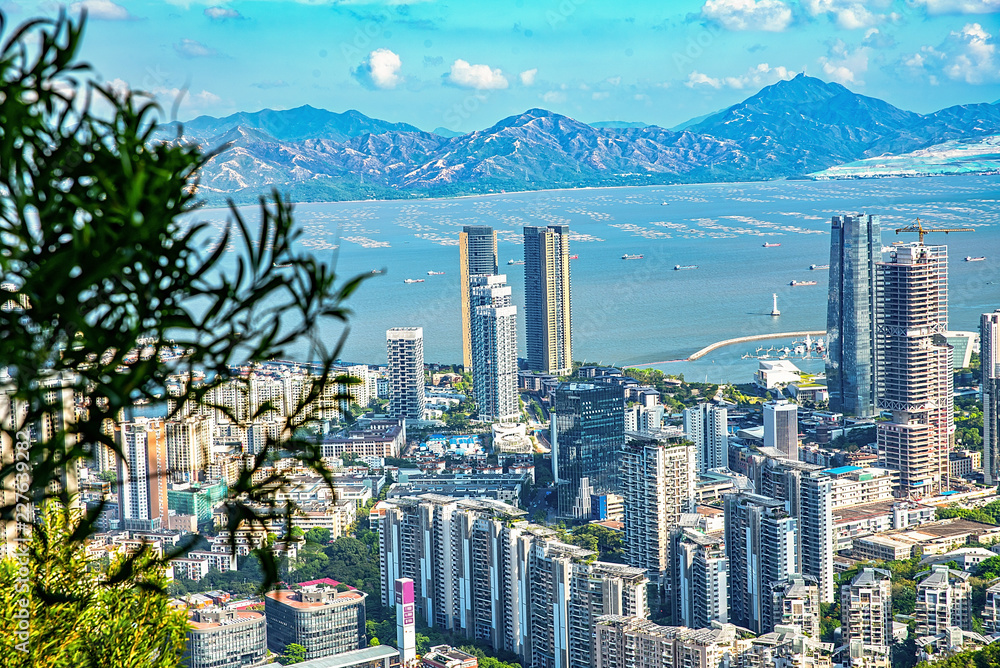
{"x":944,"y":600}
{"x":989,"y":363}
{"x":781,"y":428}
{"x":914,"y":363}
{"x":405,"y":351}
{"x":866,"y":615}
{"x":143,"y":474}
{"x":189,"y":447}
{"x":658,"y":485}
{"x":705,"y":426}
{"x":493,"y":325}
{"x":699,"y":578}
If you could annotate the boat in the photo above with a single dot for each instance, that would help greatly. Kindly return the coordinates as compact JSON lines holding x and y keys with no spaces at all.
{"x":413,"y":280}
{"x":767,"y":245}
{"x":515,"y":261}
{"x":664,"y":203}
{"x":794,"y":283}
{"x":378,"y":271}
{"x":678,"y":267}
{"x":435,"y":273}
{"x":281,"y":266}
{"x":814,"y":267}
{"x":574,"y":257}
{"x":631,"y":257}
{"x":969,"y":258}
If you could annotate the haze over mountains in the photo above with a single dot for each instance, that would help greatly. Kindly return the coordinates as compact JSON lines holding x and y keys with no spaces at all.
{"x":790,"y":129}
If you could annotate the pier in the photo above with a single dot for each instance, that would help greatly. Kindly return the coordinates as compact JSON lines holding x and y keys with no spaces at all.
{"x":728,"y":342}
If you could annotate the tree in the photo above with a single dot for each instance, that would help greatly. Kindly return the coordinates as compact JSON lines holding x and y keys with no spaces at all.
{"x":294,"y":653}
{"x":318,"y":535}
{"x":116,"y":295}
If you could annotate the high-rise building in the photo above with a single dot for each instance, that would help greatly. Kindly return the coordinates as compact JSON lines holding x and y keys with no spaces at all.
{"x":547,"y":312}
{"x":944,"y":600}
{"x":699,"y":579}
{"x":481,"y":571}
{"x":989,"y":364}
{"x":219,"y":638}
{"x":817,"y":541}
{"x":321,"y":619}
{"x":855,"y":248}
{"x":866,"y":617}
{"x":143,"y":474}
{"x":705,"y":425}
{"x":588,"y":431}
{"x":761,"y":542}
{"x":781,"y":428}
{"x":494,"y":348}
{"x":477,"y":247}
{"x":658,"y":485}
{"x":913,"y":361}
{"x":795,"y":601}
{"x":189,"y":447}
{"x":405,"y":351}
{"x":624,"y":642}
{"x":406,"y":635}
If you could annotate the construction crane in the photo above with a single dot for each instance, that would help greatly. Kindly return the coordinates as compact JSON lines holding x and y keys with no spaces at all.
{"x":921,"y":230}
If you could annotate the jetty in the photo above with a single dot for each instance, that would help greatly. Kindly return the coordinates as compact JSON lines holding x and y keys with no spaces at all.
{"x":739,"y":339}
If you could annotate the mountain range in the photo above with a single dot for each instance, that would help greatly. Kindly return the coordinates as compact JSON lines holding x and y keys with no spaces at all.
{"x":791,"y":129}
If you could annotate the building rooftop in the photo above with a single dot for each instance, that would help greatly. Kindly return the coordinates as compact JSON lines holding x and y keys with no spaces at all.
{"x":311,"y":598}
{"x":840,"y":470}
{"x":357,"y":657}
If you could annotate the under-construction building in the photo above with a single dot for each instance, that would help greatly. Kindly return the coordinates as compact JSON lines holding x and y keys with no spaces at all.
{"x":915,"y":366}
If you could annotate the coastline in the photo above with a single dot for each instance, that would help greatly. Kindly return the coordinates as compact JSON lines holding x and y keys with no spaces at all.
{"x":728,"y":342}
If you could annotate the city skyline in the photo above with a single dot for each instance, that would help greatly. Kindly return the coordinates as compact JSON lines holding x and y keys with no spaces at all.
{"x":462,"y":67}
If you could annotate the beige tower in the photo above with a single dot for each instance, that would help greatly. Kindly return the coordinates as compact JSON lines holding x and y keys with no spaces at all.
{"x":547,"y":309}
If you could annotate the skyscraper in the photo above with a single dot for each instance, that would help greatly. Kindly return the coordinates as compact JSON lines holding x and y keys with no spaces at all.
{"x":477,"y":245}
{"x":658,"y":485}
{"x":405,"y":351}
{"x":494,"y":348}
{"x":914,"y":366}
{"x":855,"y":248}
{"x":547,"y":312}
{"x":705,"y":426}
{"x":142,"y":474}
{"x":781,"y":428}
{"x":588,"y":430}
{"x":866,"y":616}
{"x":699,"y":578}
{"x":989,"y":364}
{"x":761,"y":541}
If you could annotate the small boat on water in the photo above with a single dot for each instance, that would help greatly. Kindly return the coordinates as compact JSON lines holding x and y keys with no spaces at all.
{"x":631,"y":257}
{"x":413,"y":280}
{"x":797,"y":283}
{"x":512,"y":261}
{"x":376,"y":272}
{"x":767,"y":245}
{"x":574,"y":257}
{"x":814,"y":267}
{"x":435,"y":273}
{"x":969,"y":258}
{"x":678,"y":267}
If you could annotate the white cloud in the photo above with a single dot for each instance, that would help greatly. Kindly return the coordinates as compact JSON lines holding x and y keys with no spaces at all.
{"x":222,"y":13}
{"x":614,"y":81}
{"x":769,"y":15}
{"x":849,"y":14}
{"x":554,"y":96}
{"x":480,"y":77}
{"x":603,"y":95}
{"x":190,"y":102}
{"x":102,"y":10}
{"x":528,"y":76}
{"x":958,"y":6}
{"x":968,"y":55}
{"x":758,"y":76}
{"x":845,"y":66}
{"x":190,"y":48}
{"x":380,"y":70}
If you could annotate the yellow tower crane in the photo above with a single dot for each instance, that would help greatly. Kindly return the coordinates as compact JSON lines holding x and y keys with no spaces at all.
{"x":921,"y":230}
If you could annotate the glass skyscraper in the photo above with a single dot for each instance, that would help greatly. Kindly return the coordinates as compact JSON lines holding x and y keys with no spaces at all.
{"x":588,"y":432}
{"x":855,"y":247}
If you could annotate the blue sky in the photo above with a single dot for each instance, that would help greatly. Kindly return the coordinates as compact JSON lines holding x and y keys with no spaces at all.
{"x":465,"y":65}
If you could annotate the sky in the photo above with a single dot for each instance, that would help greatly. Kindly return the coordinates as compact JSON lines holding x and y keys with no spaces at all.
{"x":466,"y":65}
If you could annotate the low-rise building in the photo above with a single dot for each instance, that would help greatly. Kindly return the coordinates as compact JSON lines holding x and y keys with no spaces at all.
{"x":503,"y":487}
{"x":626,"y":642}
{"x":378,"y":438}
{"x":930,"y":538}
{"x":322,"y":619}
{"x":219,"y":638}
{"x":446,"y":656}
{"x":965,"y":463}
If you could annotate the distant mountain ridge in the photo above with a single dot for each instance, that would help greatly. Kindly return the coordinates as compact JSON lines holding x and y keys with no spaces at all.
{"x":790,"y":129}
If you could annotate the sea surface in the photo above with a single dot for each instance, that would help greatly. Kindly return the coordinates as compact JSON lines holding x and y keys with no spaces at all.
{"x":644,"y":311}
